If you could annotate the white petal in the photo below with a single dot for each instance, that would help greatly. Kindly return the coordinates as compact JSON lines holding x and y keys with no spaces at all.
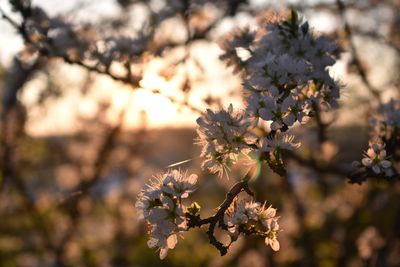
{"x":376,"y":169}
{"x":274,"y":243}
{"x":265,"y":114}
{"x":171,"y":241}
{"x":382,"y":154}
{"x":270,"y":212}
{"x":274,"y":225}
{"x":152,"y":242}
{"x":192,"y":179}
{"x":385,"y":164}
{"x":163,"y":253}
{"x":289,"y":119}
{"x":371,"y":153}
{"x":366,"y":162}
{"x":157,"y":215}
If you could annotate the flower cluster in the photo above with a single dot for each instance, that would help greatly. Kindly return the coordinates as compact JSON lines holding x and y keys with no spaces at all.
{"x":223,"y":134}
{"x":226,"y":133}
{"x":288,"y":74}
{"x":251,"y":217}
{"x":277,"y":143}
{"x":119,"y":49}
{"x":160,"y":203}
{"x":54,"y":36}
{"x":375,"y":159}
{"x":286,"y":78}
{"x":385,"y":126}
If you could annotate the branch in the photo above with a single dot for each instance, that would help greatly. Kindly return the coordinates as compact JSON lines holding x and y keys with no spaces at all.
{"x":130,"y":80}
{"x":358,"y":176}
{"x":321,"y":125}
{"x":15,"y":79}
{"x":356,"y":60}
{"x":218,"y":217}
{"x":82,"y":189}
{"x":311,"y":163}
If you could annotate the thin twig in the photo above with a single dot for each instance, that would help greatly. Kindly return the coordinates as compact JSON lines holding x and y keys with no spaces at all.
{"x":218,"y":217}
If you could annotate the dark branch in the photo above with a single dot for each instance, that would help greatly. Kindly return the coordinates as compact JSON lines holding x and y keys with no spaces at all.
{"x":218,"y":217}
{"x":47,"y":51}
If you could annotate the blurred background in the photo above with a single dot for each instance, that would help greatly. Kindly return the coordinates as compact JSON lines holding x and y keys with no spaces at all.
{"x":77,"y":145}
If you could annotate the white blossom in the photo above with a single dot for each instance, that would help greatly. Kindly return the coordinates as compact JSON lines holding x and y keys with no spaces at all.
{"x":159,"y":203}
{"x":278,"y":142}
{"x":223,"y":135}
{"x":288,"y":72}
{"x":375,"y":158}
{"x":179,"y":184}
{"x":253,"y":217}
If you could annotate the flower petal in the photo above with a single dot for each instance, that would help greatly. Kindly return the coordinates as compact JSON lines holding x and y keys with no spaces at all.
{"x":385,"y":163}
{"x":376,"y":169}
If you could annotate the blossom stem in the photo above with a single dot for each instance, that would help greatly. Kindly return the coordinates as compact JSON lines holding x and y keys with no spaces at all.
{"x":218,"y":217}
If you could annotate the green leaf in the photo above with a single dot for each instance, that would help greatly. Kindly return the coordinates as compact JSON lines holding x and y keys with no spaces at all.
{"x":194,"y":208}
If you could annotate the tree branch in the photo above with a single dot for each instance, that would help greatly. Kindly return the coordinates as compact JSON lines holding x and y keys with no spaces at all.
{"x":356,"y":60}
{"x":130,"y":80}
{"x":218,"y":217}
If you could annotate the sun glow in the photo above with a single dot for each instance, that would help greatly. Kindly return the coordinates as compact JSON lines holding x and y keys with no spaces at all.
{"x":149,"y":106}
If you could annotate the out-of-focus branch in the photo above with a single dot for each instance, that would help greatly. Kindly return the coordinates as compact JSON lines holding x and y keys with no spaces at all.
{"x":391,"y":239}
{"x":358,"y":176}
{"x":314,"y":165}
{"x":321,"y":125}
{"x":46,"y":52}
{"x":378,"y":37}
{"x":356,"y":60}
{"x":83,"y":188}
{"x":30,"y":207}
{"x":129,"y":79}
{"x":356,"y":6}
{"x":17,"y":76}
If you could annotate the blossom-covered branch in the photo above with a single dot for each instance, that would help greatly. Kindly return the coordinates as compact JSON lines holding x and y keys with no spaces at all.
{"x":194,"y":219}
{"x":384,"y":145}
{"x":56,"y":38}
{"x":160,"y":203}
